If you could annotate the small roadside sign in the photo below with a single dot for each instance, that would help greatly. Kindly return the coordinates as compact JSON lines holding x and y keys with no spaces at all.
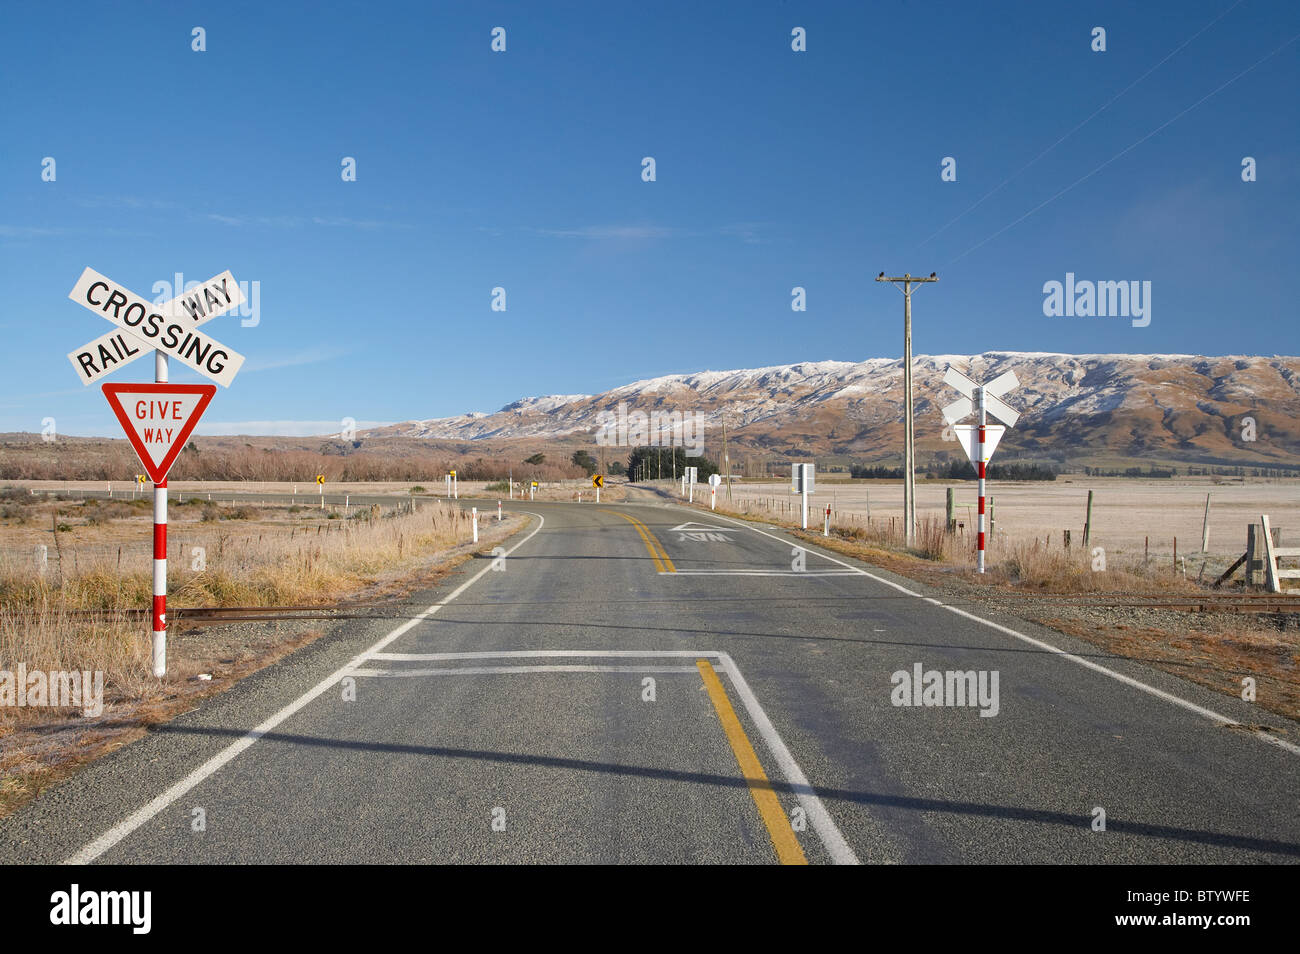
{"x":140,"y":478}
{"x":597,"y":480}
{"x":320,"y":479}
{"x":802,"y":478}
{"x":715,"y":479}
{"x":534,"y":483}
{"x":158,"y":419}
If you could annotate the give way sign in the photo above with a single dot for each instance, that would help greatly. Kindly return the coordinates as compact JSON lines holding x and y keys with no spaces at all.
{"x":158,"y":419}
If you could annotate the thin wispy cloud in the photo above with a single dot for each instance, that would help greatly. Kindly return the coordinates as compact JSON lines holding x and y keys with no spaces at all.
{"x":123,"y":202}
{"x":278,"y":428}
{"x":745,"y":231}
{"x":44,"y":231}
{"x":310,"y":356}
{"x":302,"y":221}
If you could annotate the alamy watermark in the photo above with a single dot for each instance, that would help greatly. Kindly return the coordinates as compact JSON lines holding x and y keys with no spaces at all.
{"x":626,"y":428}
{"x":1086,"y":299}
{"x":250,"y":312}
{"x":56,"y":689}
{"x":949,"y":688}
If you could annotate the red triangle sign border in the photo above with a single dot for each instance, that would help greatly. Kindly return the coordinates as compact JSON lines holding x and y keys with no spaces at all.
{"x":158,"y":472}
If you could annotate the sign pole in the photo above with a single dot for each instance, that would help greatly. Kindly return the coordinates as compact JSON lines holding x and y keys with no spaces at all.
{"x":803,"y":495}
{"x":160,"y":550}
{"x":980,"y":467}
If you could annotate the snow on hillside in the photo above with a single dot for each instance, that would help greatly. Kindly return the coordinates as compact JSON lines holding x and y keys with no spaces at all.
{"x":1054,"y":386}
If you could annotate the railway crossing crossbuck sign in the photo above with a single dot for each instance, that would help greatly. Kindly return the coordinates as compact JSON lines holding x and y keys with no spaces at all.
{"x":979,"y":440}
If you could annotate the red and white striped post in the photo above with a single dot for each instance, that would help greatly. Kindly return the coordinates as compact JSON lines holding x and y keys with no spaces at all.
{"x":160,"y":551}
{"x":979,"y":466}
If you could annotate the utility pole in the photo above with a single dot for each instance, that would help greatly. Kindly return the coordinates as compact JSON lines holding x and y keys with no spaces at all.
{"x":909,"y":447}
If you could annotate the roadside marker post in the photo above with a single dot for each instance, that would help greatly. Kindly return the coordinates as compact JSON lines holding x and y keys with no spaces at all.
{"x":826,"y":528}
{"x":498,"y":511}
{"x":714,"y":480}
{"x":981,"y":439}
{"x":473,"y":512}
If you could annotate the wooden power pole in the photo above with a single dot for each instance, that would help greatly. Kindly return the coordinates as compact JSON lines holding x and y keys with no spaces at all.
{"x":909,"y":446}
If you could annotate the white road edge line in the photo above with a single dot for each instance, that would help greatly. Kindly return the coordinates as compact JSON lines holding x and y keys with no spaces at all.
{"x":1209,"y":714}
{"x":800,"y":573}
{"x":139,"y":817}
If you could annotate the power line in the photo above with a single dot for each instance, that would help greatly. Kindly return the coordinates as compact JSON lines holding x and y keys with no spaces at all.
{"x":1094,"y":115}
{"x":1125,"y":151}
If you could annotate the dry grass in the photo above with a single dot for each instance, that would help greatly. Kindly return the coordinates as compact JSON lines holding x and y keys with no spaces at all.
{"x":72,"y":615}
{"x":1031,"y":564}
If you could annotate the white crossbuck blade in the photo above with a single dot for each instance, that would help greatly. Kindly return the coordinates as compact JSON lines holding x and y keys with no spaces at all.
{"x":993,"y":404}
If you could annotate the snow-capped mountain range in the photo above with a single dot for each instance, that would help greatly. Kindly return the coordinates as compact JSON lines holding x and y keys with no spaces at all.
{"x":1183,"y":406}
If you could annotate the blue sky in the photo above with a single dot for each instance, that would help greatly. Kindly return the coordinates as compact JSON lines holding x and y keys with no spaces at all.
{"x":522,"y":169}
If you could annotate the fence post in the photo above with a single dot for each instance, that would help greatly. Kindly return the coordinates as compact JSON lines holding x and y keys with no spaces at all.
{"x":950,"y":522}
{"x":1251,"y":560}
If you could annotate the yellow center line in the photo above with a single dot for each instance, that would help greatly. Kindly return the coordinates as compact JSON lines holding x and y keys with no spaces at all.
{"x":652,"y":544}
{"x":788,"y":850}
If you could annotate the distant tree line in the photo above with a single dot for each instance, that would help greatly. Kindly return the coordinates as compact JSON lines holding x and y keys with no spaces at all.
{"x":116,"y":461}
{"x":652,"y":463}
{"x":1131,"y":472}
{"x":961,"y":470}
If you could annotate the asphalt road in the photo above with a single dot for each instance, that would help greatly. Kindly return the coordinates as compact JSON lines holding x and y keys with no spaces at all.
{"x":507,"y":717}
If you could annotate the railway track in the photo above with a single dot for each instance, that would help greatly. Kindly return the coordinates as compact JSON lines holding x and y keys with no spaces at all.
{"x":1264,"y":603}
{"x":1268,"y":603}
{"x":213,"y":615}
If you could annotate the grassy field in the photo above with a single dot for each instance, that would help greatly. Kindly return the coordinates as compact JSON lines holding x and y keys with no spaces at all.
{"x":1129,"y":515}
{"x":180,"y":490}
{"x":69,"y":568}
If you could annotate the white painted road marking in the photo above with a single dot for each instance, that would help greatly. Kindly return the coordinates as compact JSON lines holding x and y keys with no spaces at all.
{"x":520,"y":670}
{"x":760,"y":573}
{"x":830,"y":835}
